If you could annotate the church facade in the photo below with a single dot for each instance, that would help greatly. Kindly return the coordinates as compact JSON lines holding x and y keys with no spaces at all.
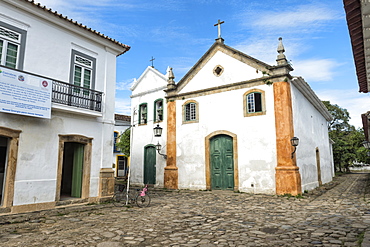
{"x":228,"y":125}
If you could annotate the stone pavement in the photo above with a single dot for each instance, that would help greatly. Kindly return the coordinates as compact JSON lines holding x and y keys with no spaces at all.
{"x":336,"y":214}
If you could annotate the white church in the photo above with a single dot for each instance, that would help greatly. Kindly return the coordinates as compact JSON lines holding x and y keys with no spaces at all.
{"x":232,"y":122}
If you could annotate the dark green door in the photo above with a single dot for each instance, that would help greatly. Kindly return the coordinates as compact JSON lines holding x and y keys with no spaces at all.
{"x":78,"y":159}
{"x":222,"y":163}
{"x":149,"y":164}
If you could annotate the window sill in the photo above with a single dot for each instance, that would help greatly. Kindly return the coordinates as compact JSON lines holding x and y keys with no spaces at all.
{"x":254,"y":114}
{"x":190,"y":122}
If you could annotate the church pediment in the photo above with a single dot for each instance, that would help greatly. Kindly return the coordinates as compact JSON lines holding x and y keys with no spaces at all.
{"x":151,"y":79}
{"x":222,"y":65}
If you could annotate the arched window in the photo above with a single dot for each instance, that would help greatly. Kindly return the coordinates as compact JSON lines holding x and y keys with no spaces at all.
{"x":143,"y":113}
{"x":158,"y":110}
{"x":190,"y":112}
{"x":254,"y":103}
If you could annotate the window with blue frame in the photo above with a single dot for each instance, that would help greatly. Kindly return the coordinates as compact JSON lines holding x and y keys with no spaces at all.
{"x":116,"y":139}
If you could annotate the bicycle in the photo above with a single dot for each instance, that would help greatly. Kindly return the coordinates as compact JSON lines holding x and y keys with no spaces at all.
{"x":143,"y":198}
{"x":122,"y":197}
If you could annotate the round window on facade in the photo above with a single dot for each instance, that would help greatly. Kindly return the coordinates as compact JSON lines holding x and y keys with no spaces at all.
{"x":217,"y":71}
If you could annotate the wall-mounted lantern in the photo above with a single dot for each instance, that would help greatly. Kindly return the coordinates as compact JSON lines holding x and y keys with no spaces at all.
{"x":157,"y":133}
{"x":159,"y":147}
{"x":294,"y":141}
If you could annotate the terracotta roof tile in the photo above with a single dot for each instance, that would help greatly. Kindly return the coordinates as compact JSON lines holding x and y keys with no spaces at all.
{"x":122,"y":117}
{"x":354,"y":22}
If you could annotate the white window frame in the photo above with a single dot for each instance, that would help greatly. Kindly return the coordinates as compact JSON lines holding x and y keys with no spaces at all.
{"x":18,"y":39}
{"x":158,"y":110}
{"x":90,"y":65}
{"x":143,"y":113}
{"x":84,"y":68}
{"x":190,"y":111}
{"x":249,"y":100}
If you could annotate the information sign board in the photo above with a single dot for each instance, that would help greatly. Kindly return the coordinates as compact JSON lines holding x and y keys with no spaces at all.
{"x":24,"y":94}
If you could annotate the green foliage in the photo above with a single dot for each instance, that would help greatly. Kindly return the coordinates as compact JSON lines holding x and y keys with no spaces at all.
{"x":347,"y":147}
{"x":124,"y":142}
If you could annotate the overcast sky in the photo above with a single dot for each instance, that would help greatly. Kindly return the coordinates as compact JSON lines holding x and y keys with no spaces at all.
{"x":178,"y":32}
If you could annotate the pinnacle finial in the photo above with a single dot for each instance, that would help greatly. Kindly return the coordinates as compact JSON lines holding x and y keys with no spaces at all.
{"x":170,"y":80}
{"x":171,"y":76}
{"x":281,"y":59}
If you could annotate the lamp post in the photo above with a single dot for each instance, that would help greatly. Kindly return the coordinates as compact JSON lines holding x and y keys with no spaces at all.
{"x":158,"y":133}
{"x":294,"y":142}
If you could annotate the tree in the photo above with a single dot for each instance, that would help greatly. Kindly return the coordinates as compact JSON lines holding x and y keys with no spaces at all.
{"x":124,"y":142}
{"x":340,"y":117}
{"x":347,"y":147}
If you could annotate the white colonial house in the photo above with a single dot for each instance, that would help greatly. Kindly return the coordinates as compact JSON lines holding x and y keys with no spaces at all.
{"x":57,"y":101}
{"x":228,"y":125}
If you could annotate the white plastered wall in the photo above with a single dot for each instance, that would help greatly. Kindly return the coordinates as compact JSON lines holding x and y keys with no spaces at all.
{"x":233,"y":71}
{"x":48,"y":53}
{"x":311,"y":129}
{"x":149,"y":82}
{"x":256,"y":140}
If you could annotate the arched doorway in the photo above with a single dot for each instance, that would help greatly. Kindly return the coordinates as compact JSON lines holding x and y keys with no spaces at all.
{"x":221,"y":161}
{"x":149,"y":164}
{"x":318,"y":166}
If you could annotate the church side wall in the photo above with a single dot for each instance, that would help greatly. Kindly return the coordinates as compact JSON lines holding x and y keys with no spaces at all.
{"x":143,"y":135}
{"x":311,"y":129}
{"x":256,"y":141}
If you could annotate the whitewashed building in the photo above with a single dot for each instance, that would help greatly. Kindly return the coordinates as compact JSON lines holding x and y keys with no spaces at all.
{"x":57,"y":101}
{"x":228,"y":124}
{"x":148,"y":110}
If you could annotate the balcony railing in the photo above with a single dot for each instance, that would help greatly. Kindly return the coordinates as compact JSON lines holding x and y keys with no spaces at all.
{"x":69,"y":94}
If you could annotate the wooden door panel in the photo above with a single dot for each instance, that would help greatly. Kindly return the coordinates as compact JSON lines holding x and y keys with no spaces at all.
{"x":77,"y":170}
{"x":222,"y":162}
{"x":149,"y":165}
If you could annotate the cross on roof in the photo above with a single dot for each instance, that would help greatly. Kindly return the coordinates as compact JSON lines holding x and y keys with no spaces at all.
{"x":218,"y":24}
{"x":151,"y":60}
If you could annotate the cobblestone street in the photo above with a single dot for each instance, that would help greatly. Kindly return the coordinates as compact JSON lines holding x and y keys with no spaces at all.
{"x":336,"y":214}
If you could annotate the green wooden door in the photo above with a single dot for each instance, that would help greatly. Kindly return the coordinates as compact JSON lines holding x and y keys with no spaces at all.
{"x":78,"y":159}
{"x":222,"y":163}
{"x":149,"y":164}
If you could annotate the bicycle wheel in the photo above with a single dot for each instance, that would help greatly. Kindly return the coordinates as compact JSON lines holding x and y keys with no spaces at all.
{"x":119,"y":199}
{"x":142,"y":201}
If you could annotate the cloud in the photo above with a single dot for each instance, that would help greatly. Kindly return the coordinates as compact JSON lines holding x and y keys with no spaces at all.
{"x":124,"y":85}
{"x":355,"y":103}
{"x":299,"y":26}
{"x":123,"y":106}
{"x":315,"y":69}
{"x":306,"y":18}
